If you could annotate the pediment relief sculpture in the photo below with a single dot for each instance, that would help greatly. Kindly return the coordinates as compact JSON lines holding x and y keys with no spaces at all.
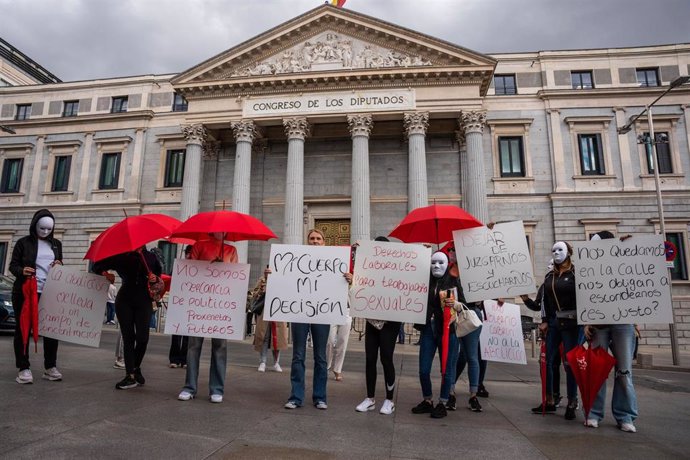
{"x":330,"y":51}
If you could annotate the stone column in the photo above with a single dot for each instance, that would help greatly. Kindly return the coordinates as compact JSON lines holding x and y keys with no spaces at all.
{"x":244,"y":131}
{"x":134,"y":191}
{"x":296,"y":130}
{"x":416,"y":124}
{"x":85,"y":165}
{"x":36,"y":174}
{"x":360,"y":128}
{"x":191,"y":182}
{"x":462,"y":151}
{"x":474,"y":188}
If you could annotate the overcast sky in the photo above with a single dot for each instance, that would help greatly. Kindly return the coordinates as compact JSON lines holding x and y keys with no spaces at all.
{"x":89,"y":39}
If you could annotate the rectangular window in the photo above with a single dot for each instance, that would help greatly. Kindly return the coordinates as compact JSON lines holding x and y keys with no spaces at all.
{"x":61,"y":173}
{"x":119,"y":104}
{"x":110,"y":171}
{"x":591,"y":156}
{"x":648,"y":77}
{"x":680,"y":269}
{"x":23,"y":112}
{"x":3,"y":256}
{"x":179,"y":103}
{"x":663,"y":153}
{"x":505,"y":84}
{"x":169,"y":251}
{"x":174,"y":168}
{"x":11,"y":175}
{"x":511,"y":156}
{"x":582,"y":79}
{"x":71,"y":109}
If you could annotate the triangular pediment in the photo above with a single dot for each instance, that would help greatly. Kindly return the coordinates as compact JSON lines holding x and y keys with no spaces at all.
{"x":330,"y":41}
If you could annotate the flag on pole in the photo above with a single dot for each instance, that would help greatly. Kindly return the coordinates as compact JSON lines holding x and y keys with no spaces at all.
{"x":338,"y":3}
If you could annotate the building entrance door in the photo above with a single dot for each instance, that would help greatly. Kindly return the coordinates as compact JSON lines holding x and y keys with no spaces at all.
{"x":336,"y":231}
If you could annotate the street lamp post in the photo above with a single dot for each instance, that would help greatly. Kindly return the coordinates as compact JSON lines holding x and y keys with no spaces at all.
{"x":654,"y":163}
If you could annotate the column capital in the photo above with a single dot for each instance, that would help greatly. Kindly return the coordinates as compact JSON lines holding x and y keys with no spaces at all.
{"x":296,"y":128}
{"x":244,"y":130}
{"x":461,"y":139}
{"x":416,"y":122}
{"x":473,"y":121}
{"x":195,"y":134}
{"x":260,"y":146}
{"x":211,"y":149}
{"x":360,"y":125}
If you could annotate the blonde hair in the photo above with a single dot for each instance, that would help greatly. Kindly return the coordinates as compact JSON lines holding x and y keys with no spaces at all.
{"x":316,"y":230}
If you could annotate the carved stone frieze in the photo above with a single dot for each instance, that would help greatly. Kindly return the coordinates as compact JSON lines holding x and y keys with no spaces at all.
{"x":360,"y":125}
{"x":195,"y":134}
{"x":244,"y":131}
{"x":416,"y":122}
{"x":473,"y":121}
{"x":330,"y":51}
{"x":296,"y":128}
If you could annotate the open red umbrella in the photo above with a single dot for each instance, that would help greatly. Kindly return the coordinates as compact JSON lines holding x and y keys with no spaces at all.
{"x":28,"y":318}
{"x":236,"y":226}
{"x":590,"y":367}
{"x":433,"y":224}
{"x":131,"y":233}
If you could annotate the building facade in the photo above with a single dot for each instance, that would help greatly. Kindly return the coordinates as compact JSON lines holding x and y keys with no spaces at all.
{"x":346,"y":122}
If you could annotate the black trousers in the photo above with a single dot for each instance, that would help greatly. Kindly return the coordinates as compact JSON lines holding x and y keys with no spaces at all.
{"x":134,"y":315}
{"x":21,"y":352}
{"x":178,"y":349}
{"x":380,"y":342}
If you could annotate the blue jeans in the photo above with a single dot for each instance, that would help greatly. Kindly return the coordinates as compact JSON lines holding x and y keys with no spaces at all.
{"x":109,"y":311}
{"x":569,"y":338}
{"x":219,"y":358}
{"x":620,"y":338}
{"x":319,"y":335}
{"x":428,"y":345}
{"x":476,"y":377}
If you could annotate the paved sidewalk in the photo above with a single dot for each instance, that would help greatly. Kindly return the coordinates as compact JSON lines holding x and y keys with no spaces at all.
{"x":85,"y":417}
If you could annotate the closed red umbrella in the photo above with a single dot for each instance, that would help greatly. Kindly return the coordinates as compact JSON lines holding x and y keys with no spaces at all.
{"x":235,"y":226}
{"x":542,"y":374}
{"x":131,"y":233}
{"x":433,"y":224}
{"x":590,"y":367}
{"x":28,"y":318}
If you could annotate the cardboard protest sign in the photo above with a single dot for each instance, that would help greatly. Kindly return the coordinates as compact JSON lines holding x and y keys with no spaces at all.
{"x":494,"y":263}
{"x":307,"y":284}
{"x":622,"y":282}
{"x":391,"y":282}
{"x":207,"y":299}
{"x":72,"y":306}
{"x":501,"y":338}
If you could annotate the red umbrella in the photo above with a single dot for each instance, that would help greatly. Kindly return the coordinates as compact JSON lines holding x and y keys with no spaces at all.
{"x":444,"y":339}
{"x":433,"y":224}
{"x":131,"y":233}
{"x":590,"y":367}
{"x":542,"y":373}
{"x":236,"y":226}
{"x":28,"y":318}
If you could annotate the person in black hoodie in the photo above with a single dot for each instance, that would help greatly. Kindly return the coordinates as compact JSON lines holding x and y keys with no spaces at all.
{"x":33,"y":255}
{"x":444,"y":292}
{"x":133,"y":306}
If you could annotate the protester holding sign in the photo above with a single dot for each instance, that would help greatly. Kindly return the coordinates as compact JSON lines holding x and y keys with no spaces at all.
{"x":620,"y":339}
{"x":319,"y":335}
{"x":560,"y":310}
{"x":133,"y":306}
{"x":438,"y":333}
{"x":268,"y":334}
{"x":213,"y":249}
{"x":32,"y":257}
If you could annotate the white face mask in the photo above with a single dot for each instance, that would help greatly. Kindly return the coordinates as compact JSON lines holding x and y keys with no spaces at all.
{"x":559,"y":252}
{"x":439,"y":264}
{"x":44,"y":227}
{"x":550,"y":266}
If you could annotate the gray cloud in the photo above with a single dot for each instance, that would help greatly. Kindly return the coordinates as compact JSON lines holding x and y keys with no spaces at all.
{"x":89,"y":39}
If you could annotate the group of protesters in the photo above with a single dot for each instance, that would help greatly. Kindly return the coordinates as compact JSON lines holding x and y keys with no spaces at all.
{"x":33,"y":255}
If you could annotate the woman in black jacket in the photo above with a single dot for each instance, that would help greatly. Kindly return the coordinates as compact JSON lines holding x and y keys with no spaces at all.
{"x":33,"y":255}
{"x":133,"y":306}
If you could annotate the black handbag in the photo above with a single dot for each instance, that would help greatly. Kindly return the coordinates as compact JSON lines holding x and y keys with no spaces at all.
{"x":257,"y":305}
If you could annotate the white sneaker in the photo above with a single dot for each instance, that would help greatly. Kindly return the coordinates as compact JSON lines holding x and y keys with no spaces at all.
{"x":366,"y":405}
{"x":262,"y":367}
{"x":592,"y":423}
{"x":25,"y":376}
{"x":321,"y":405}
{"x":216,"y":398}
{"x":628,"y":428}
{"x":277,"y":368}
{"x":388,"y":407}
{"x":291,"y":405}
{"x":185,"y":396}
{"x":119,"y":364}
{"x":52,"y":374}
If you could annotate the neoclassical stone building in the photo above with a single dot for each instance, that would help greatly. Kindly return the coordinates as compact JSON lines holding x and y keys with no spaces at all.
{"x":346,"y":122}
